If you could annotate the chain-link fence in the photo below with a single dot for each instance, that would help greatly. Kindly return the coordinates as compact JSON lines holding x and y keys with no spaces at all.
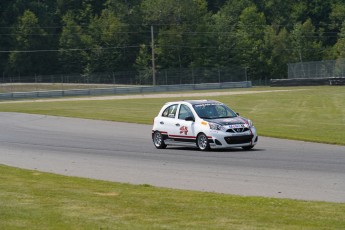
{"x":317,"y":69}
{"x":111,"y":79}
{"x":199,"y":75}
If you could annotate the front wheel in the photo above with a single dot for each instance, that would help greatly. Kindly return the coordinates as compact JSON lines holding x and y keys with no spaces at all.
{"x":248,"y":147}
{"x":158,"y":141}
{"x":202,"y":142}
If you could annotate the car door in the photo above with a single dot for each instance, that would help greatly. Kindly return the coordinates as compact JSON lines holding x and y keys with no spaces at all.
{"x":182,"y":129}
{"x":166,"y":122}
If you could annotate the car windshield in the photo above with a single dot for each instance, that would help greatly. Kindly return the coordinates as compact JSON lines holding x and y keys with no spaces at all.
{"x":213,"y":111}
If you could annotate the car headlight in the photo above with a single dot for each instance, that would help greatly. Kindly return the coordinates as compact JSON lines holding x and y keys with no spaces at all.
{"x":215,"y":126}
{"x":250,"y":123}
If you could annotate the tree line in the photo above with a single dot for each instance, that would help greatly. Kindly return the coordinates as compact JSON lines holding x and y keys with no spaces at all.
{"x":44,"y":37}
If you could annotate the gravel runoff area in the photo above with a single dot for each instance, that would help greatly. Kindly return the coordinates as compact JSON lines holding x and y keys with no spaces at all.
{"x":158,"y":95}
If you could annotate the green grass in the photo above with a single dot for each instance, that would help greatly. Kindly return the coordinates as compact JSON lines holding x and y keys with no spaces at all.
{"x":34,"y":200}
{"x":315,"y":114}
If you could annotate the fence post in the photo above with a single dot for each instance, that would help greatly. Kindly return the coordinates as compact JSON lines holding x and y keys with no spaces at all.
{"x":61,"y":82}
{"x":35,"y":81}
{"x":193,"y":82}
{"x":166,"y":77}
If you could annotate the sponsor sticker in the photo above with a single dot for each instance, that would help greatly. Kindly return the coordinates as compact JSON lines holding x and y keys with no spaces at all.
{"x":184,"y":130}
{"x":238,"y":126}
{"x":207,"y":104}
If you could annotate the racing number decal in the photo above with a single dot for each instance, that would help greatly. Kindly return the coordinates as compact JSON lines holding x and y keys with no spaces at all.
{"x":184,"y":129}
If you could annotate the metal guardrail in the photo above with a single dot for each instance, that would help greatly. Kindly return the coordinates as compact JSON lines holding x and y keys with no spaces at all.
{"x":308,"y":81}
{"x":123,"y":90}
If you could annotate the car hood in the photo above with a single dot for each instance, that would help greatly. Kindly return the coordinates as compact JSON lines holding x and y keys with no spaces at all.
{"x":229,"y":121}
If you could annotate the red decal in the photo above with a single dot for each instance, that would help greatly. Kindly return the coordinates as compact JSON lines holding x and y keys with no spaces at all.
{"x":184,"y":129}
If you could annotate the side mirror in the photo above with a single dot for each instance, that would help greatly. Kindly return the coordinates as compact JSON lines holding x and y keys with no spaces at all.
{"x":238,"y":114}
{"x":189,"y":119}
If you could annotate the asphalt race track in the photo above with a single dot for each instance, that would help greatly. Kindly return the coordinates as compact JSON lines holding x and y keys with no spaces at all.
{"x":124,"y":152}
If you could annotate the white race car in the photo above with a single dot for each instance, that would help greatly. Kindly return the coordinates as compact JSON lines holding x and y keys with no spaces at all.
{"x":202,"y":123}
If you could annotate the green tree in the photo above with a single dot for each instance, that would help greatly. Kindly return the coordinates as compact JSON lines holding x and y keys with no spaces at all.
{"x":177,"y":26}
{"x":339,"y":47}
{"x":337,"y":15}
{"x":225,"y":24}
{"x":305,"y":42}
{"x":143,"y":64}
{"x":250,"y":41}
{"x":28,"y":58}
{"x":109,"y":40}
{"x":124,"y":10}
{"x":215,"y":5}
{"x":74,"y":46}
{"x":129,"y":13}
{"x":277,"y":12}
{"x":315,"y":10}
{"x":83,"y":10}
{"x":277,"y":50}
{"x":5,"y":39}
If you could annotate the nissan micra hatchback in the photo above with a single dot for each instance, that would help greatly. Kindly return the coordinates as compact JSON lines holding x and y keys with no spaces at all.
{"x":202,"y":123}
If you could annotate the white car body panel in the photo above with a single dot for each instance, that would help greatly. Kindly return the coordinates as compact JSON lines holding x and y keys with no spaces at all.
{"x":234,"y":132}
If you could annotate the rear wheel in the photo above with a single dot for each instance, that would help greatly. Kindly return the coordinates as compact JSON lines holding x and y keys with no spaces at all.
{"x":202,"y":142}
{"x":158,"y":141}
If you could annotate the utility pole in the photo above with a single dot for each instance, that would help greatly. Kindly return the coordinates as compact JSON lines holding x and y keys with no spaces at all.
{"x":153,"y":57}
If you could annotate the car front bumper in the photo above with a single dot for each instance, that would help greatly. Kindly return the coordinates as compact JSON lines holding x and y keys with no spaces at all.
{"x":221,"y":139}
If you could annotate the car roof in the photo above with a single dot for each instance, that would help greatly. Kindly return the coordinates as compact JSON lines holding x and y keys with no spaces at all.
{"x":196,"y":102}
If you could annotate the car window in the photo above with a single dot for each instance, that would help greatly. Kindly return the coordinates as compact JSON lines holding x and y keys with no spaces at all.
{"x":170,"y":111}
{"x":222,"y":111}
{"x":213,"y":111}
{"x":184,"y":112}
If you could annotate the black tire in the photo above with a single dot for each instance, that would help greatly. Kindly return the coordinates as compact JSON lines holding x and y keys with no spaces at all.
{"x":158,"y":140}
{"x":248,"y":147}
{"x":202,"y":142}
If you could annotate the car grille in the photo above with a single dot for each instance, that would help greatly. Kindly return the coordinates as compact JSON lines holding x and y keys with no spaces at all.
{"x":237,"y":130}
{"x":239,"y":139}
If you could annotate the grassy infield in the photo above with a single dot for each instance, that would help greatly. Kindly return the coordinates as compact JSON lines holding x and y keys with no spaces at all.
{"x":34,"y":200}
